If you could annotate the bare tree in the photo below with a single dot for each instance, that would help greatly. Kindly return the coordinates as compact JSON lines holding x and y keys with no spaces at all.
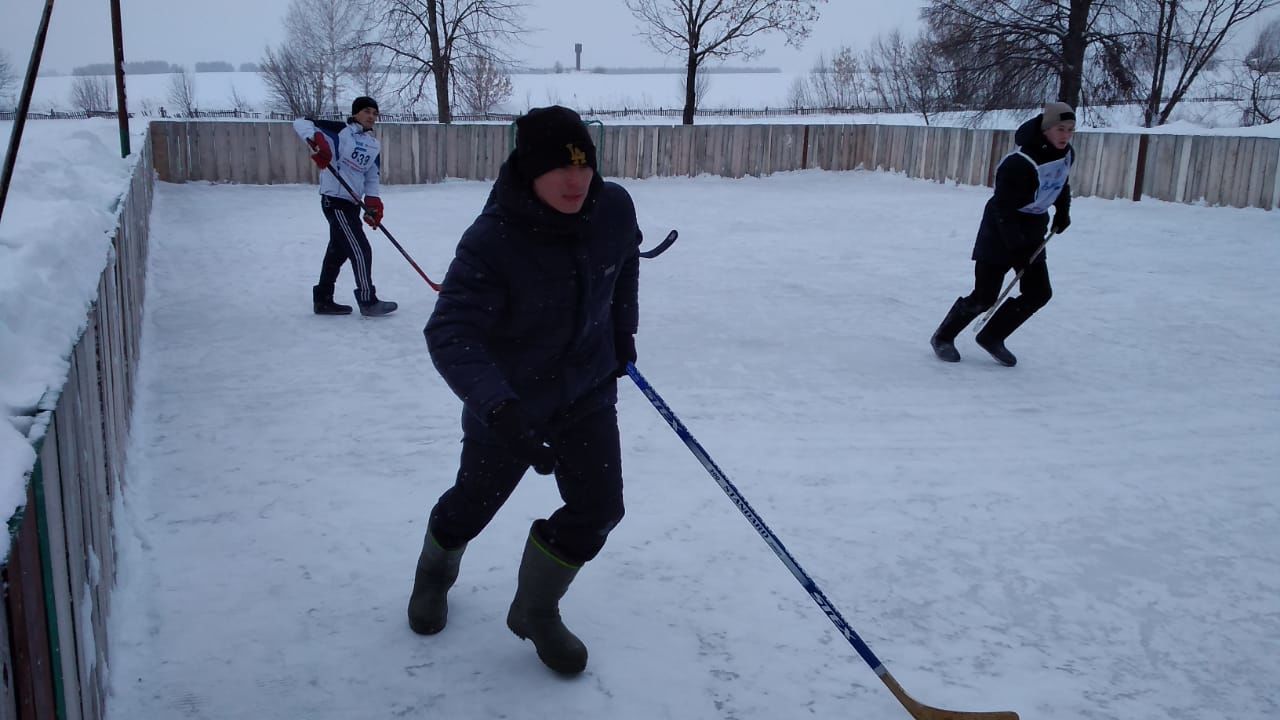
{"x":327,"y":33}
{"x":368,"y":72}
{"x":8,"y":80}
{"x":904,"y":75}
{"x":837,"y":84}
{"x":1180,"y":38}
{"x":92,"y":94}
{"x":1256,"y":80}
{"x":1264,"y":56}
{"x":721,"y":29}
{"x":482,"y":86}
{"x":431,"y":39}
{"x":239,"y":102}
{"x":295,"y":83}
{"x":1015,"y":51}
{"x":182,"y":92}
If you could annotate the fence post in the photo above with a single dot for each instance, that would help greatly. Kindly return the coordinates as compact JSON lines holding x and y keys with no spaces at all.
{"x":1141,"y":171}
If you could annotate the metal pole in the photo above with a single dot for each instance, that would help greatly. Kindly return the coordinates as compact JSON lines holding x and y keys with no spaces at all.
{"x":24,"y":103}
{"x":117,"y":41}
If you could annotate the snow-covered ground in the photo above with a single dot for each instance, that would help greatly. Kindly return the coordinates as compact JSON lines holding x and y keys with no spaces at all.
{"x":1092,"y":534}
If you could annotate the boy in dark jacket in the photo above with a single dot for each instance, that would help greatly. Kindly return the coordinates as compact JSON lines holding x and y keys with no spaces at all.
{"x":535,"y":322}
{"x":1028,"y":182}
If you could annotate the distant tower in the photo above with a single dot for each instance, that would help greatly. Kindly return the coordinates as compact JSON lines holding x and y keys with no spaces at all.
{"x":577,"y":49}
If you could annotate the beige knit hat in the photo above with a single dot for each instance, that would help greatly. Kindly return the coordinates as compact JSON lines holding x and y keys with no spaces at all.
{"x":1056,"y":112}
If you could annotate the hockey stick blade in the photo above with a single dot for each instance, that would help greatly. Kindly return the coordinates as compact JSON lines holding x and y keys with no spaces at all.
{"x":661,"y":247}
{"x":920,"y":711}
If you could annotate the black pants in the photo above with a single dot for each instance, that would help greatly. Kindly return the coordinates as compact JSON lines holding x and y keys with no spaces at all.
{"x":588,"y":475}
{"x":346,"y":242}
{"x":988,"y":281}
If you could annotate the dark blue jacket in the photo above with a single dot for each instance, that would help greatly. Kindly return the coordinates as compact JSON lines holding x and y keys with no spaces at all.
{"x":532,"y":300}
{"x":1005,"y":233}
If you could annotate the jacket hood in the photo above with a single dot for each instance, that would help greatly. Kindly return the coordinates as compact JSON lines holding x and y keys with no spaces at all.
{"x":1030,"y":138}
{"x":513,"y":198}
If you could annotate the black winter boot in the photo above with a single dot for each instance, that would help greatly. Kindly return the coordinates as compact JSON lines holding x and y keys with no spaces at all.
{"x":375,"y":307}
{"x":958,"y":318}
{"x":436,"y":573}
{"x":322,"y":302}
{"x":1008,"y":318}
{"x":535,"y":611}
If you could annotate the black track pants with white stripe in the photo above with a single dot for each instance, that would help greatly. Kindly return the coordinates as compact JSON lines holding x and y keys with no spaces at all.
{"x":346,"y":242}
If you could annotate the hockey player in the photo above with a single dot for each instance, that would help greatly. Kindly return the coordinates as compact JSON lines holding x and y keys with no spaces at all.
{"x":1029,"y":181}
{"x":535,"y":322}
{"x":352,"y":150}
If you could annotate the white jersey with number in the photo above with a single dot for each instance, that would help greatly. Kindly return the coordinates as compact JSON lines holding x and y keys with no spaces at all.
{"x":1053,"y":177}
{"x":355,"y":156}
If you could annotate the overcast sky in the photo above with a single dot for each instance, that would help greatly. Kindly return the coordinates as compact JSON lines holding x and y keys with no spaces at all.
{"x":187,"y":31}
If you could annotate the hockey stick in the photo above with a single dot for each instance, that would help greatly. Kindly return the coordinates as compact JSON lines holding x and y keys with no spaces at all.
{"x":983,"y":320}
{"x":381,"y":227}
{"x":918,"y":710}
{"x":661,"y":247}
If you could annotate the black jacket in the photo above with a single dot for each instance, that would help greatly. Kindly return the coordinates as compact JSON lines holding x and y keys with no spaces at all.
{"x":1006,"y":234}
{"x":532,"y":300}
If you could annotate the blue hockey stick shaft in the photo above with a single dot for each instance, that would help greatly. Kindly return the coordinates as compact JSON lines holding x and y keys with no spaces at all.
{"x":918,"y":710}
{"x":754,"y":518}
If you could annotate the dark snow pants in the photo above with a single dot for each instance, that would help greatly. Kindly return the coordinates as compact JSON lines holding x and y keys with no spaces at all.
{"x":988,"y":281}
{"x":588,"y":475}
{"x":346,"y":242}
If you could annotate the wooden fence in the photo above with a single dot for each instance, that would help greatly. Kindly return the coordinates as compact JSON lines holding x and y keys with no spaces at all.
{"x":1216,"y":170}
{"x":61,"y":568}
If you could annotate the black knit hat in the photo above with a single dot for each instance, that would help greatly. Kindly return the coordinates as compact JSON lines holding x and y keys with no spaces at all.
{"x":552,"y":137}
{"x":362,"y":102}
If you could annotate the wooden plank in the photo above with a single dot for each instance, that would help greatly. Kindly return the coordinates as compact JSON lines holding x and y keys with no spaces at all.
{"x":450,"y":168}
{"x":205,"y":161}
{"x":32,"y":676}
{"x":1218,"y":164}
{"x":1235,"y":177}
{"x":95,"y":488}
{"x":1271,"y":177}
{"x":639,"y":151}
{"x":1155,"y":175}
{"x":757,"y":150}
{"x":158,"y":135}
{"x":230,"y":151}
{"x":735,"y":150}
{"x":8,"y":700}
{"x":429,"y":153}
{"x":261,"y":161}
{"x":180,"y":151}
{"x":1182,"y":186}
{"x":277,"y":160}
{"x":61,"y":559}
{"x":1257,"y":156}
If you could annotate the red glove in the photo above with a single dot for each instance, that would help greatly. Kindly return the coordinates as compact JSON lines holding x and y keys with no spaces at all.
{"x":373,"y":211}
{"x":320,"y":153}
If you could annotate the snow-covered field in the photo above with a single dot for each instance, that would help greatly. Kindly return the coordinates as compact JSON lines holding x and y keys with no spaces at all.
{"x":1092,"y":534}
{"x":612,"y":92}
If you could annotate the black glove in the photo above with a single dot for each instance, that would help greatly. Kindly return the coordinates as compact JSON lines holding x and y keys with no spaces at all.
{"x":1061,"y":221}
{"x":524,"y":439}
{"x":624,"y":347}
